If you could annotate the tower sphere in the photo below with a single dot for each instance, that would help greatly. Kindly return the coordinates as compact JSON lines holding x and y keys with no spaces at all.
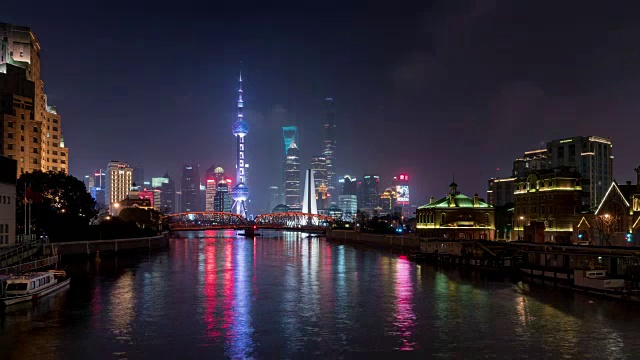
{"x":240,"y":127}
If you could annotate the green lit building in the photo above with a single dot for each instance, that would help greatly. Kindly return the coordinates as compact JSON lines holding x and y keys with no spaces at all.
{"x":456,"y":216}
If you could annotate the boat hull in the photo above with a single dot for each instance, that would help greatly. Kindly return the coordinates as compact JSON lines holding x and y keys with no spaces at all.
{"x":8,"y":301}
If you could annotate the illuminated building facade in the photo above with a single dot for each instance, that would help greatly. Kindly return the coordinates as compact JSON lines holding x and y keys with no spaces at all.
{"x":31,"y":130}
{"x":388,"y":201}
{"x":319,"y":168}
{"x":289,"y":135}
{"x":214,"y":175}
{"x":330,"y":144}
{"x":240,"y":192}
{"x":222,"y":199}
{"x":322,"y":197}
{"x":592,"y":158}
{"x":456,"y":216}
{"x":168,"y":196}
{"x":549,"y":197}
{"x":292,"y":183}
{"x":531,"y":161}
{"x":190,"y":188}
{"x":368,"y":192}
{"x":349,"y":206}
{"x":348,"y":185}
{"x":118,"y":184}
{"x":617,"y":217}
{"x":501,"y":191}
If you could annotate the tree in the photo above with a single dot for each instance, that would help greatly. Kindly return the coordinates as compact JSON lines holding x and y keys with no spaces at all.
{"x":606,"y":225}
{"x":59,"y":203}
{"x":142,"y":217}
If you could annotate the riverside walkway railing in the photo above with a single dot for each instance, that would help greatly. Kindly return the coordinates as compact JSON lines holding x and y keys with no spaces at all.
{"x":30,"y":266}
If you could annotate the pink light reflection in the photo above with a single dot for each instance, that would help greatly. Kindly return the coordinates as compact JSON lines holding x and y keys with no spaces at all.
{"x":404,"y":318}
{"x":210,"y":282}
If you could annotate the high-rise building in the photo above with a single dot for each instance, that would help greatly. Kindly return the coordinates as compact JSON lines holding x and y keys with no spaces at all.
{"x":274,"y":198}
{"x":319,"y":168}
{"x":292,"y":183}
{"x":323,"y":200}
{"x":240,"y":191}
{"x":31,"y":129}
{"x":403,"y":199}
{"x":157,"y":182}
{"x":501,"y":191}
{"x":330,"y":144}
{"x":592,"y":158}
{"x":222,"y":200}
{"x":214,"y":175}
{"x":190,"y":188}
{"x":138,"y":175}
{"x":531,"y":161}
{"x":368,"y":192}
{"x":89,"y":182}
{"x":118,"y":184}
{"x":168,"y":196}
{"x":348,"y":185}
{"x":289,"y":135}
{"x":349,"y":206}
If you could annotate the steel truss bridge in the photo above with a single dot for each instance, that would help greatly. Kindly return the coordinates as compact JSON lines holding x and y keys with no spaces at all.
{"x":213,"y":220}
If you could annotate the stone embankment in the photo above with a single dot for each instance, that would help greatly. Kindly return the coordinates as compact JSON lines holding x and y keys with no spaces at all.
{"x":110,"y":246}
{"x":397,"y":242}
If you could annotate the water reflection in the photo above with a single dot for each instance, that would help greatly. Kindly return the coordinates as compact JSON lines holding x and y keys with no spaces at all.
{"x":215,"y":295}
{"x":404,"y":317}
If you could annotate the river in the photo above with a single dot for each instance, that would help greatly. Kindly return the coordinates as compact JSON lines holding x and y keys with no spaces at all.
{"x":291,"y":295}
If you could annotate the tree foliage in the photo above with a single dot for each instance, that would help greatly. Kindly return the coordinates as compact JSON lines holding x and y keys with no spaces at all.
{"x":142,"y":217}
{"x":58,"y":203}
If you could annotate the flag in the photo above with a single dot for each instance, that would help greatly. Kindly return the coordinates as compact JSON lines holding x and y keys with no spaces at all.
{"x":32,"y":196}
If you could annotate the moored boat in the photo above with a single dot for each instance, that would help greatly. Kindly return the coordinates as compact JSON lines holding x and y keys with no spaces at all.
{"x":31,"y":286}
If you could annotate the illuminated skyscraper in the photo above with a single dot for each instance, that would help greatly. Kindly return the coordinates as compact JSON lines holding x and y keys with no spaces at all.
{"x":292,"y":184}
{"x":274,"y":198}
{"x":289,"y":135}
{"x":319,"y":168}
{"x":240,"y":191}
{"x":368,"y":192}
{"x":190,"y":188}
{"x":30,"y":129}
{"x":118,"y":184}
{"x":330,"y":144}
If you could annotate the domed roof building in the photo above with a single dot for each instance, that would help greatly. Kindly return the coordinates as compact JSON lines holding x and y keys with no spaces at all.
{"x":456,"y":216}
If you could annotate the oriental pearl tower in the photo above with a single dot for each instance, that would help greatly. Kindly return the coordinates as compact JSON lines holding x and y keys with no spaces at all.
{"x":240,"y":192}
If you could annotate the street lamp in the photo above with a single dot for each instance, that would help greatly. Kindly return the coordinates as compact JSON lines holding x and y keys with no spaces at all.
{"x":521,"y":226}
{"x":115,"y":208}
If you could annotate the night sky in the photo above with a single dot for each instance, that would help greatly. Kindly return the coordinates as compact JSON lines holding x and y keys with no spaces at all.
{"x":427,"y":88}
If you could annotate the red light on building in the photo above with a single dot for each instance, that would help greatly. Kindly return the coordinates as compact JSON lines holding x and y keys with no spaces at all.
{"x":404,"y":177}
{"x":229,"y":181}
{"x":211,"y":180}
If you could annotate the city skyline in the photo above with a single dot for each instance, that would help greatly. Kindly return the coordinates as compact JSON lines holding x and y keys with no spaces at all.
{"x":489,"y":103}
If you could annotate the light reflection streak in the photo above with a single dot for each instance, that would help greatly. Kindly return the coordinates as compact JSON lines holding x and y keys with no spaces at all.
{"x":404,"y":318}
{"x":210,"y":293}
{"x":122,"y":306}
{"x":241,"y":341}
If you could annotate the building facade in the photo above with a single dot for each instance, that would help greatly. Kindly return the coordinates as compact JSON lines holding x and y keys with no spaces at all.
{"x":548,"y":200}
{"x":592,"y":158}
{"x":501,"y":191}
{"x":292,"y":184}
{"x":222,"y":200}
{"x":274,"y":198}
{"x":616,"y":221}
{"x":190,"y":188}
{"x":168,"y":196}
{"x":7,"y":201}
{"x":534,"y":160}
{"x":31,"y":130}
{"x":456,"y":216}
{"x":319,"y":168}
{"x":330,"y":144}
{"x":119,"y":180}
{"x":349,"y":206}
{"x":368,"y":192}
{"x":348,"y":185}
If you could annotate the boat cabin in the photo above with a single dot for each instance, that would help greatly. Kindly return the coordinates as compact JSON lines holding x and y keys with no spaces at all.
{"x":28,"y":283}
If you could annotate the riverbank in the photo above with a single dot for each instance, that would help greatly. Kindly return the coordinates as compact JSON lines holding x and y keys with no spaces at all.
{"x":110,"y":246}
{"x":394,"y":242}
